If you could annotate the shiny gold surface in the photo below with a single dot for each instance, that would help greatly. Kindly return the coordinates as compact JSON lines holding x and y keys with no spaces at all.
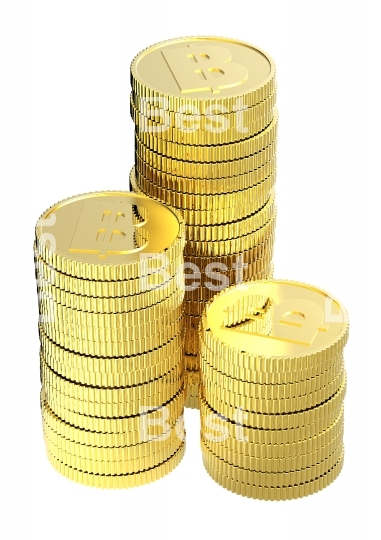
{"x":157,"y":283}
{"x":117,"y":481}
{"x":206,"y":127}
{"x":270,"y":448}
{"x":205,"y":186}
{"x":192,"y":133}
{"x":110,"y":283}
{"x":186,"y":201}
{"x":128,"y":366}
{"x":306,"y":321}
{"x":275,"y":478}
{"x":170,"y":295}
{"x":220,"y":169}
{"x":171,"y":70}
{"x":123,"y":431}
{"x":275,"y":465}
{"x":113,"y":467}
{"x":102,"y":235}
{"x":272,"y":387}
{"x":126,"y":342}
{"x":171,"y":119}
{"x":283,"y":493}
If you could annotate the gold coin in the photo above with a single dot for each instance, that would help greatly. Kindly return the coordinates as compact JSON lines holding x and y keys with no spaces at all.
{"x":133,"y":324}
{"x":109,"y":432}
{"x":273,"y":479}
{"x":325,"y":412}
{"x":121,"y":480}
{"x":272,"y":465}
{"x":197,"y":123}
{"x":113,"y":396}
{"x":275,"y":493}
{"x":155,"y":302}
{"x":189,"y":169}
{"x":250,"y":369}
{"x":156,"y":283}
{"x":188,"y":122}
{"x":169,"y":72}
{"x":224,"y":231}
{"x":237,"y":443}
{"x":58,"y":400}
{"x":261,"y":240}
{"x":192,"y":120}
{"x":260,"y":400}
{"x":129,"y":365}
{"x":222,"y":428}
{"x":206,"y":186}
{"x":216,"y":135}
{"x":98,"y":236}
{"x":204,"y":217}
{"x":214,"y":203}
{"x":212,"y":234}
{"x":109,"y":334}
{"x":120,"y":453}
{"x":219,"y":233}
{"x":133,"y":452}
{"x":123,"y":466}
{"x":207,"y":130}
{"x":255,"y":375}
{"x":309,"y":326}
{"x":112,"y":348}
{"x":111,"y":379}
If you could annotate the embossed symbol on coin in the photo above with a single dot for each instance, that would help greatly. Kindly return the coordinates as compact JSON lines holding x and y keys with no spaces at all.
{"x":108,"y":228}
{"x":296,"y":321}
{"x":295,"y":311}
{"x":198,"y":68}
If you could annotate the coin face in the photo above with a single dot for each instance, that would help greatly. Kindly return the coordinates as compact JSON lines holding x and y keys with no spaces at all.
{"x":203,"y":68}
{"x":107,"y":228}
{"x":304,"y":319}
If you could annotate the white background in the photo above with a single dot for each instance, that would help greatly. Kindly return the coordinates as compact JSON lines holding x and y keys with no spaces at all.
{"x":65,"y":129}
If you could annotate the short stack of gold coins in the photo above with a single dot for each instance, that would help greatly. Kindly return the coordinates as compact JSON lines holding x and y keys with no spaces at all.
{"x":111,"y":338}
{"x":272,"y":389}
{"x":205,"y":141}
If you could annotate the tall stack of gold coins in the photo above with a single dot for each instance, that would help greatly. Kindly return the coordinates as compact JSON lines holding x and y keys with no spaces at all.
{"x":205,"y":136}
{"x":272,"y":389}
{"x":112,"y":367}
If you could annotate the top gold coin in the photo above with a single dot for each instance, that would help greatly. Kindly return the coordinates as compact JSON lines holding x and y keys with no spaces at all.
{"x":109,"y":236}
{"x":305,"y":321}
{"x":210,"y":74}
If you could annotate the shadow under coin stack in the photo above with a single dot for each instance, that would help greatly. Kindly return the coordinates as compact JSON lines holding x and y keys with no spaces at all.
{"x":111,"y":338}
{"x":272,"y":389}
{"x":205,"y":136}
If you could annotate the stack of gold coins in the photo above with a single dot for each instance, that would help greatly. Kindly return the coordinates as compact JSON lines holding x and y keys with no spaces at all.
{"x":272,"y":389}
{"x":111,"y":336}
{"x":205,"y":136}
